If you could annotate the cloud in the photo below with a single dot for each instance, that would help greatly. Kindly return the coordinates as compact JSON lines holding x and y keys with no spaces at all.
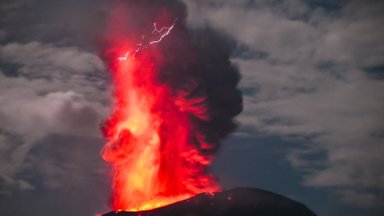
{"x":64,"y":171}
{"x":351,"y":37}
{"x":304,"y":76}
{"x":54,"y":91}
{"x":34,"y":55}
{"x":262,"y":30}
{"x":59,"y":22}
{"x":46,"y":90}
{"x":3,"y":35}
{"x":362,"y":198}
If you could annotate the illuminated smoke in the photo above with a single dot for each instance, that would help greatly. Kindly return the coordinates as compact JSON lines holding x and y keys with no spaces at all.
{"x":174,"y":101}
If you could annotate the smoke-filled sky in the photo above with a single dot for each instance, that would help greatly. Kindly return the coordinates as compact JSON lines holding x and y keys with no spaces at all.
{"x":311,"y":129}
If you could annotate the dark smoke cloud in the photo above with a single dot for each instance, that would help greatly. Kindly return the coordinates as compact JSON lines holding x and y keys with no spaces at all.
{"x":194,"y":63}
{"x":201,"y":57}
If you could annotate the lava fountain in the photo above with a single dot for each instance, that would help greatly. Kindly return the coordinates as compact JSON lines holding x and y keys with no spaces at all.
{"x":171,"y":106}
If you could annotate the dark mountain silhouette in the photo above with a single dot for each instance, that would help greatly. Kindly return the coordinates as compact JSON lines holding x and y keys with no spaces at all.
{"x":236,"y":202}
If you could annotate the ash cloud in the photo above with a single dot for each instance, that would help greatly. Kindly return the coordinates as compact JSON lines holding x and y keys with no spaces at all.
{"x":195,"y":63}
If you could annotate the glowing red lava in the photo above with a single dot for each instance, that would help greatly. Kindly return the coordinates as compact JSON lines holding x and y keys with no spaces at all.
{"x":150,"y":137}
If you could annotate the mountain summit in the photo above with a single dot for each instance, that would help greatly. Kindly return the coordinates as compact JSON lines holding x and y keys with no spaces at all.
{"x":236,"y":202}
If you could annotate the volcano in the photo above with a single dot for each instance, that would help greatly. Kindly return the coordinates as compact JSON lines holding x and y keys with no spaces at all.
{"x":175,"y":98}
{"x":237,"y":202}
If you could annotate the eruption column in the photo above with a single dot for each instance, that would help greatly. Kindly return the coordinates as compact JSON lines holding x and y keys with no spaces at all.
{"x":174,"y":99}
{"x":154,"y":161}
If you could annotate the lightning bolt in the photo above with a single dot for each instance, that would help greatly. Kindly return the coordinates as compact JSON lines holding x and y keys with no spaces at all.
{"x":124,"y":58}
{"x":162,"y":33}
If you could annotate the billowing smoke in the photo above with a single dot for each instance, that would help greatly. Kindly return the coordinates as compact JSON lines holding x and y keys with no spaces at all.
{"x":179,"y":95}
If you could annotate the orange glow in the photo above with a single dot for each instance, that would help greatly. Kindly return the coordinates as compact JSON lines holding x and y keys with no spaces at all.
{"x":150,"y":146}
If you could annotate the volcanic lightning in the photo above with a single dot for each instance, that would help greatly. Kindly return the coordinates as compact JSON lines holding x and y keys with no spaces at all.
{"x":164,"y":31}
{"x":175,"y":96}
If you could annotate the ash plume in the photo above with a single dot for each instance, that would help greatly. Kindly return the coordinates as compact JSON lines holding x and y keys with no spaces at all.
{"x":174,"y":102}
{"x":195,"y":63}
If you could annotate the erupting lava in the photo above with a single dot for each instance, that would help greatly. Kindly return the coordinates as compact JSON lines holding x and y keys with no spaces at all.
{"x":155,"y":161}
{"x":175,"y":96}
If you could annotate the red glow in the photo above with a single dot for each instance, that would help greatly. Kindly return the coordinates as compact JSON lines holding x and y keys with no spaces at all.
{"x":154,"y":160}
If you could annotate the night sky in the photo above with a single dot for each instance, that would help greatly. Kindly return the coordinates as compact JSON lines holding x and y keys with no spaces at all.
{"x":312,"y":128}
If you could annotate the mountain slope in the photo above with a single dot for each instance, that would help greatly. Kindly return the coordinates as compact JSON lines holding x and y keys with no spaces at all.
{"x":237,"y":202}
